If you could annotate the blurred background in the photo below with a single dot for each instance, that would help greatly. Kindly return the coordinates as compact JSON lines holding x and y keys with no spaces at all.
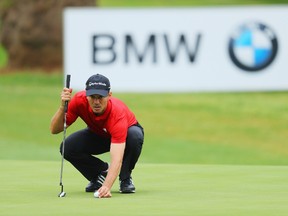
{"x":191,"y":127}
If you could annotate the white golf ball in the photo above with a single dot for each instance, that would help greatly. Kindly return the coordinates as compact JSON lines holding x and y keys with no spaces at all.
{"x":96,"y":194}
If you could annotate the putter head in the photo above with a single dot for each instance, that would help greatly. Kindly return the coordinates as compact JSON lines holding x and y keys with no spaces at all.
{"x":62,"y":194}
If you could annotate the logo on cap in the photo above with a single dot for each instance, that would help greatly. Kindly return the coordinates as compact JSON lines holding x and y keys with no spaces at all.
{"x":253,"y":47}
{"x":97,"y":84}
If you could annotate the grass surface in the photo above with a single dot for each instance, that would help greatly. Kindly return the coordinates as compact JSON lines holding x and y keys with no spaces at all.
{"x":203,"y":128}
{"x":31,"y":188}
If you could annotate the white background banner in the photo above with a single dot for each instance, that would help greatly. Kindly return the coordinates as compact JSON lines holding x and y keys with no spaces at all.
{"x":179,"y":50}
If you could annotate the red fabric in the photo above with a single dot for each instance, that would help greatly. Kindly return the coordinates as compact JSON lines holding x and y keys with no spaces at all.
{"x":113,"y":123}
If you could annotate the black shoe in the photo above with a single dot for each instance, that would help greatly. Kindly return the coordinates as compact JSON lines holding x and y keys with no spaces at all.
{"x":94,"y":185}
{"x":127,"y":186}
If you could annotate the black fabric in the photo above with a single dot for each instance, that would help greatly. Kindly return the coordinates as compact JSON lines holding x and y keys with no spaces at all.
{"x":83,"y":146}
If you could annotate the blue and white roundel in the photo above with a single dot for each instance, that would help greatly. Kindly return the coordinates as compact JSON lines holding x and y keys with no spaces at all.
{"x":253,"y":47}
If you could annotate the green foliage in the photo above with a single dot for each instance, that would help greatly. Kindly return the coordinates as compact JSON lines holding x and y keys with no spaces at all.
{"x":4,"y":4}
{"x":206,"y":128}
{"x":177,"y":3}
{"x":3,"y":57}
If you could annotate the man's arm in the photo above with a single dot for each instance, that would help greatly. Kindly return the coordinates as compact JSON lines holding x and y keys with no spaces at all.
{"x":116,"y":153}
{"x":57,"y":121}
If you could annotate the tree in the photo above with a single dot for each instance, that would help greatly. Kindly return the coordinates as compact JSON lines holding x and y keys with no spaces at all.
{"x":31,"y":31}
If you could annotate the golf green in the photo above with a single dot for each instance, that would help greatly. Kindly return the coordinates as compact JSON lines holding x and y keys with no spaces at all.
{"x":32,"y":188}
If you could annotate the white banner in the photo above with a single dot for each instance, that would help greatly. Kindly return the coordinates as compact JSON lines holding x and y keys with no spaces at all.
{"x":179,"y":50}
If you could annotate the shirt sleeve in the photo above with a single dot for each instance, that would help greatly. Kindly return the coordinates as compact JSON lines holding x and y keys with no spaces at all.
{"x":72,"y":113}
{"x":119,"y":129}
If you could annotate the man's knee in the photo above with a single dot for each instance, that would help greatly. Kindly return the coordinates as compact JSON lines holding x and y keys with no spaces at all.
{"x":68,"y":154}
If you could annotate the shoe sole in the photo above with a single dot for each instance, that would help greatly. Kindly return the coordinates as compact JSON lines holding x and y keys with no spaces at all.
{"x":127,"y":191}
{"x":90,"y":191}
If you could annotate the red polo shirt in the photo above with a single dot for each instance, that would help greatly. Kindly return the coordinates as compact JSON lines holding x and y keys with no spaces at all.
{"x":113,"y":123}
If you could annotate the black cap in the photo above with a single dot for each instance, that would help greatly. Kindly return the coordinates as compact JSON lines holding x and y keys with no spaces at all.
{"x":97,"y":84}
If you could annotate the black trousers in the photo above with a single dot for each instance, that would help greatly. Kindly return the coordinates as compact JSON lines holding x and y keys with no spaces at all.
{"x":82,"y":146}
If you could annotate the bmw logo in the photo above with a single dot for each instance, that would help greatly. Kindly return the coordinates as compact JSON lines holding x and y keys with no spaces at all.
{"x":253,"y":47}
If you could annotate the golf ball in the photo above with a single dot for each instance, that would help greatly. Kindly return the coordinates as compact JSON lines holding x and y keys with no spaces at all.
{"x":96,"y":194}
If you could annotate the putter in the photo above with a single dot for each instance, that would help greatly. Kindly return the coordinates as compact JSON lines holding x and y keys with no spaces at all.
{"x":62,"y":193}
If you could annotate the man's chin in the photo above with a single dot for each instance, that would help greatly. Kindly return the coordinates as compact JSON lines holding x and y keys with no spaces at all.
{"x":97,"y":111}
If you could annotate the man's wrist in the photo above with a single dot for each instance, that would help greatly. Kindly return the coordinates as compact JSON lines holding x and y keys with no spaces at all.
{"x":107,"y":185}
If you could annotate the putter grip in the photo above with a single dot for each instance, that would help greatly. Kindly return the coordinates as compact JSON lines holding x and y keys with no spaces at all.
{"x":67,"y":86}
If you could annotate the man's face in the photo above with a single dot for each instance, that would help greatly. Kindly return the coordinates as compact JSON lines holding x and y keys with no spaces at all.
{"x":98,"y":103}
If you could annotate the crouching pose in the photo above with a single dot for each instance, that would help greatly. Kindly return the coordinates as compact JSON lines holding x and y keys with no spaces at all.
{"x":111,"y":127}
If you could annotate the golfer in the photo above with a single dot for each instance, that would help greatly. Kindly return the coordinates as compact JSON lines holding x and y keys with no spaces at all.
{"x":111,"y":127}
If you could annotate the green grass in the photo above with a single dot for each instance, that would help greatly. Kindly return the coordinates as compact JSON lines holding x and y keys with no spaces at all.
{"x":185,"y":135}
{"x":31,"y":188}
{"x":199,"y":128}
{"x":241,"y":128}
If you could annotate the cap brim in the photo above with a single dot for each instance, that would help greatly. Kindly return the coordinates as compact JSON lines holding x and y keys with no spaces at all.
{"x":101,"y":92}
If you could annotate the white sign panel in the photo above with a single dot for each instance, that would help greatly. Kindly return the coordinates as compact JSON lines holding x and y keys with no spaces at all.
{"x":179,"y":50}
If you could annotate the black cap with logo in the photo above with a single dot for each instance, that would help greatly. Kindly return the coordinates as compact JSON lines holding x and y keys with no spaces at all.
{"x":97,"y":84}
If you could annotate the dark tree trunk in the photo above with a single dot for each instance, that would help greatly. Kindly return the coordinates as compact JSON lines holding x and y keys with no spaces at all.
{"x":31,"y":31}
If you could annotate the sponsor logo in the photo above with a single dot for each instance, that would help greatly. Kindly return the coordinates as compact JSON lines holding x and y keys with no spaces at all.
{"x":253,"y":47}
{"x":96,"y":83}
{"x":182,"y":45}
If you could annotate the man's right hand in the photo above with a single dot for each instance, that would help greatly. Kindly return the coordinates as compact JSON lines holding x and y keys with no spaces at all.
{"x":66,"y":95}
